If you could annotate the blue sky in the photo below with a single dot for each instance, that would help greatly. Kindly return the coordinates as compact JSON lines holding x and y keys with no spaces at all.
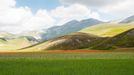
{"x":38,"y":4}
{"x":35,"y":5}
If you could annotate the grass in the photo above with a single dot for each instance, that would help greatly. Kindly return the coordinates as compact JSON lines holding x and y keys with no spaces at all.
{"x":66,"y":67}
{"x":108,"y":29}
{"x":14,"y":44}
{"x":42,"y":63}
{"x":123,"y":40}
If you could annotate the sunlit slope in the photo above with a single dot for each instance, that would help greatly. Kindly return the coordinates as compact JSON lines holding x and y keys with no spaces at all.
{"x":103,"y":30}
{"x":123,"y":40}
{"x":108,"y":29}
{"x":36,"y":47}
{"x":68,"y":42}
{"x":5,"y":34}
{"x":14,"y":44}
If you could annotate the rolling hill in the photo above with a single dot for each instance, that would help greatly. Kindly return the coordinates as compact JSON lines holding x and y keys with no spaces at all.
{"x":90,"y":37}
{"x":62,"y":37}
{"x":107,"y":29}
{"x":71,"y":42}
{"x":123,"y":40}
{"x":10,"y":43}
{"x":70,"y":27}
{"x":68,"y":42}
{"x":14,"y":44}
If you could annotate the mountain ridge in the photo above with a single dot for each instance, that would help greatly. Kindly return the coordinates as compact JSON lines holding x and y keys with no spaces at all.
{"x":128,"y":19}
{"x":69,"y":27}
{"x":123,"y":40}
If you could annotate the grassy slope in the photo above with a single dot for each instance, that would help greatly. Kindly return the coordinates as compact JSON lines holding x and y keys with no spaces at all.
{"x":104,"y":30}
{"x":15,"y":44}
{"x":123,"y":40}
{"x":107,"y":29}
{"x":37,"y":47}
{"x":72,"y":41}
{"x":5,"y":34}
{"x":2,"y":41}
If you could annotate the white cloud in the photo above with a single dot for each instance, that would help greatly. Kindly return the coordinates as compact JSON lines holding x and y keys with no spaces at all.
{"x":5,"y":4}
{"x":73,"y":12}
{"x":14,"y":15}
{"x":17,"y":19}
{"x":42,"y":19}
{"x":115,"y":8}
{"x":91,"y":3}
{"x":124,"y":8}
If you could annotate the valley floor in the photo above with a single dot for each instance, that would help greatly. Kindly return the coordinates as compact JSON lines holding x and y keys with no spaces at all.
{"x":86,"y":62}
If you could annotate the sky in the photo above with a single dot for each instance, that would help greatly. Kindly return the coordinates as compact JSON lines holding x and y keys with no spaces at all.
{"x":35,"y":5}
{"x":18,"y":16}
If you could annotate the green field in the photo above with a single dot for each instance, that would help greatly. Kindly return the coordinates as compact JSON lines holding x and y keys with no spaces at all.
{"x":41,"y":63}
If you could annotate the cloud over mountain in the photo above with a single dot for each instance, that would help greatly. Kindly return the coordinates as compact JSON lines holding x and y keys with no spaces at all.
{"x":93,"y":3}
{"x":17,"y":19}
{"x":114,"y":8}
{"x":73,"y":12}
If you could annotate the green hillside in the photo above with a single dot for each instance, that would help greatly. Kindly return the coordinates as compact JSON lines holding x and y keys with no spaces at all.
{"x":5,"y":34}
{"x":67,"y":42}
{"x":78,"y":41}
{"x":13,"y":44}
{"x":108,"y":29}
{"x":123,"y":40}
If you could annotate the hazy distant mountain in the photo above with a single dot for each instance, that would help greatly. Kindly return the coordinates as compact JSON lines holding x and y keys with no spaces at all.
{"x":34,"y":34}
{"x":10,"y":41}
{"x":70,"y":27}
{"x":16,"y":43}
{"x":128,"y":20}
{"x":5,"y":34}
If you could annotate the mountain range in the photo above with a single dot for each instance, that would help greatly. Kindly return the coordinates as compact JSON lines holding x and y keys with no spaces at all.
{"x":70,"y":27}
{"x":85,"y":34}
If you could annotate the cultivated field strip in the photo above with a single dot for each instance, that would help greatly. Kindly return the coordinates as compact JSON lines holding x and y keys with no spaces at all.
{"x":45,"y":55}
